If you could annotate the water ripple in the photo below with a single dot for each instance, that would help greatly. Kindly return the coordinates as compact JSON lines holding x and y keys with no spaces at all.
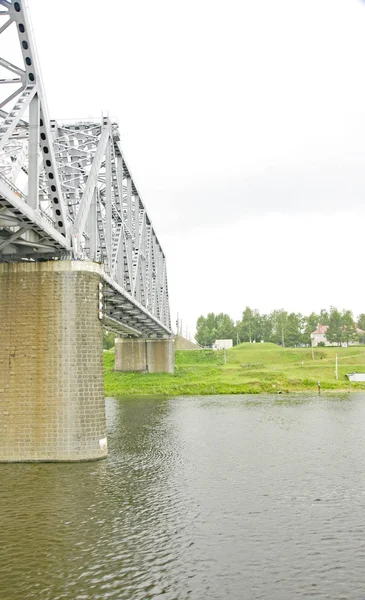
{"x":202,"y":499}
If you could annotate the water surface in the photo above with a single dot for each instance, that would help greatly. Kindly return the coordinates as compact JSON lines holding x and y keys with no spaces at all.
{"x":206,"y":498}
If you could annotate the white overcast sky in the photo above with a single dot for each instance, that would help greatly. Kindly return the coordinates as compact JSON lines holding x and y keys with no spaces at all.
{"x":244,"y":125}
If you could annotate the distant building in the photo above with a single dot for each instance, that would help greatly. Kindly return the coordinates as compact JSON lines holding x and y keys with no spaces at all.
{"x":222,"y":344}
{"x":356,"y":376}
{"x":319,"y":335}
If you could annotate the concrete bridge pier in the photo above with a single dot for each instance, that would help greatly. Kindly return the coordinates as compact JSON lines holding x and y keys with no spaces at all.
{"x":51,"y":371}
{"x":152,"y":355}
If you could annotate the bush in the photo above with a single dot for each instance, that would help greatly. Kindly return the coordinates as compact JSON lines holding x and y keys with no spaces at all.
{"x":108,"y":340}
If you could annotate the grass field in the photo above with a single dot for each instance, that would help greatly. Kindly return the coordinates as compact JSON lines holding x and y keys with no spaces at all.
{"x":250,"y":369}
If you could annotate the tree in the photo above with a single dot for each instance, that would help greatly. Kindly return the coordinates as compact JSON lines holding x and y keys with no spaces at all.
{"x":279,"y":327}
{"x":334,"y":332}
{"x":248,"y":328}
{"x":293,"y":329}
{"x":310,"y":324}
{"x":323,"y":317}
{"x":225,"y":327}
{"x":205,"y":330}
{"x":349,"y":333}
{"x":279,"y":322}
{"x":108,"y":340}
{"x":214,"y":327}
{"x":361,"y":321}
{"x":266,"y":328}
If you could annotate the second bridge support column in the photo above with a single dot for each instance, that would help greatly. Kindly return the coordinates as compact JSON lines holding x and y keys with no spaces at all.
{"x":152,"y":355}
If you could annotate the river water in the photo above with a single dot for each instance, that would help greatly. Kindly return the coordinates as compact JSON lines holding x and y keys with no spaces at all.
{"x":205,"y":498}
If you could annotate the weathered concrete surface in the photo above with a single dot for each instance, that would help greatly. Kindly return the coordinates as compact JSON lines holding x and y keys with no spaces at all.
{"x":130,"y":354}
{"x":160,"y":356}
{"x":182,"y":343}
{"x":154,"y":356}
{"x":51,"y":372}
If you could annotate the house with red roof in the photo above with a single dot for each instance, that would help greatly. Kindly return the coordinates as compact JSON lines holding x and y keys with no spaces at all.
{"x":319,"y":335}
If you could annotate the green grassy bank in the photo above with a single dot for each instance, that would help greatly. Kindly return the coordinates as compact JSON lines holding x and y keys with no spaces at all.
{"x":250,"y":369}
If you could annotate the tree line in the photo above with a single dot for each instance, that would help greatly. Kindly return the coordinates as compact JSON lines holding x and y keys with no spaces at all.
{"x":280,"y":327}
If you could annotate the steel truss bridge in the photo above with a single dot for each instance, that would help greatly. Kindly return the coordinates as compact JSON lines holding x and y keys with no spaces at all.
{"x":66,"y":191}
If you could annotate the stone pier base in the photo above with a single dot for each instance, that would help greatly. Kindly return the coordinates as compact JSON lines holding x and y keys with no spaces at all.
{"x":154,"y":356}
{"x":160,"y":356}
{"x":130,"y":355}
{"x":51,"y":371}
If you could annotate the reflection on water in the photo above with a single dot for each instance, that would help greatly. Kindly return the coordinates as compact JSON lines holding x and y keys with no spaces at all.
{"x":201,"y":498}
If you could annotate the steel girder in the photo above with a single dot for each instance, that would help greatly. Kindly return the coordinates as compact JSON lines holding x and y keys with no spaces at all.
{"x":66,"y":192}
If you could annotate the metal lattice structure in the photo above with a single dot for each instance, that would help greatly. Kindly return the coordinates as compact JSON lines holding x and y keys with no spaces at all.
{"x":66,"y":192}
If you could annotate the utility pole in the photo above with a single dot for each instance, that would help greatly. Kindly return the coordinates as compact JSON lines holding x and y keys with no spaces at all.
{"x":282,"y":337}
{"x":336,"y":370}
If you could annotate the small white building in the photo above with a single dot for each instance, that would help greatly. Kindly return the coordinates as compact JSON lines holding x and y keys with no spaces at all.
{"x":222,"y":344}
{"x":356,"y":376}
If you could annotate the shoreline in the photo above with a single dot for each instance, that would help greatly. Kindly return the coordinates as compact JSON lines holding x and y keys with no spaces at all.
{"x":249,"y":369}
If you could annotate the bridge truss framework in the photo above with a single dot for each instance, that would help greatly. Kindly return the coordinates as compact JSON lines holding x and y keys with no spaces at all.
{"x":66,"y":191}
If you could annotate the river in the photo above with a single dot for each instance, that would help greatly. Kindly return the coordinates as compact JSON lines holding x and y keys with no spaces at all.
{"x":201,"y":498}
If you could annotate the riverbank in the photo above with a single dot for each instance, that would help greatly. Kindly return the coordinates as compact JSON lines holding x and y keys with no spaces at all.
{"x":249,"y":369}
